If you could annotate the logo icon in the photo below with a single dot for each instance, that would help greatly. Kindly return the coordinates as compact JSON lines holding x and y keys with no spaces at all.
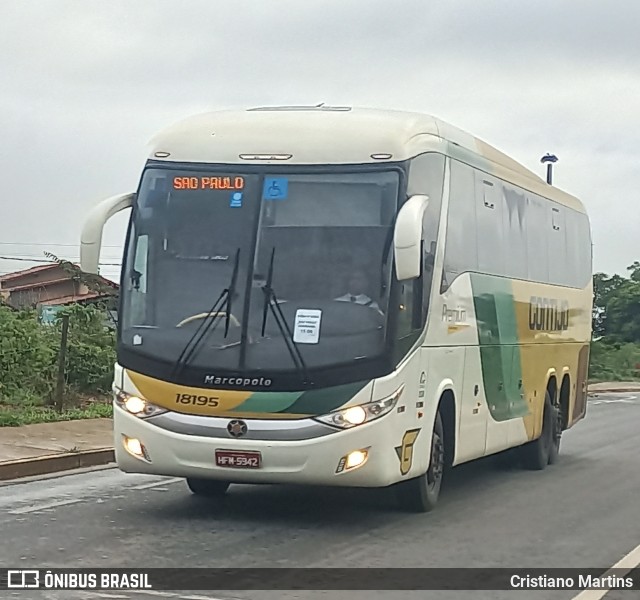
{"x":237,"y":428}
{"x":405,"y":450}
{"x":23,"y":578}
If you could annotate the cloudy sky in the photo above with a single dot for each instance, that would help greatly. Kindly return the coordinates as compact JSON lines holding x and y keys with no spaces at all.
{"x":85,"y":84}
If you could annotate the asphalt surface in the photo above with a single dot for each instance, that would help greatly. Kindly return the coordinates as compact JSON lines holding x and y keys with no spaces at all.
{"x":582,"y":512}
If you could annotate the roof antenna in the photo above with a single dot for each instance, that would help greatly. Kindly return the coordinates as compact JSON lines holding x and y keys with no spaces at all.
{"x":549,"y":159}
{"x":320,"y":105}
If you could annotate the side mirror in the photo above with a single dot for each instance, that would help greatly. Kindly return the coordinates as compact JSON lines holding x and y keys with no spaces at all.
{"x":408,"y":237}
{"x":91,"y":238}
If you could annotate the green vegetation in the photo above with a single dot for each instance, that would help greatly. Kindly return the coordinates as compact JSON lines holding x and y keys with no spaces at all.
{"x":14,"y":416}
{"x":615,"y":353}
{"x":29,"y":354}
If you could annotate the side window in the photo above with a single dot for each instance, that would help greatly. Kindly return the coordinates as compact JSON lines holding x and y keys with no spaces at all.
{"x":557,"y":244}
{"x":574,"y":261}
{"x":461,"y":253}
{"x":578,"y":248}
{"x":138,"y":280}
{"x":584,"y":250}
{"x":428,"y":275}
{"x":536,"y":212}
{"x":515,"y":232}
{"x":489,"y":204}
{"x":409,"y":319}
{"x":426,"y":176}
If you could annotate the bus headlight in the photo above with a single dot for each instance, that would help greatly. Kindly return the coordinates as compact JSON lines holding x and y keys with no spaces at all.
{"x":136,"y":405}
{"x":361,"y":413}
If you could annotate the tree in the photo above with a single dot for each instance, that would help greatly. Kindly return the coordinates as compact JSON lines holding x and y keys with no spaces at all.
{"x":617,"y":306}
{"x":634,"y":269}
{"x":604,"y":289}
{"x":623,"y":313}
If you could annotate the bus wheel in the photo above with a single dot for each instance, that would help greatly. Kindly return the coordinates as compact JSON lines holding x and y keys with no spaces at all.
{"x":210,"y":488}
{"x":556,"y":433}
{"x":420,"y":494}
{"x":538,"y":454}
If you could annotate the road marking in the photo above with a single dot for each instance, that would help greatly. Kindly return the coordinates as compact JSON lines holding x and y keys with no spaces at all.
{"x":624,"y":400}
{"x":628,"y":562}
{"x":38,"y":507}
{"x":198,"y":598}
{"x":157,"y":594}
{"x":146,"y":486}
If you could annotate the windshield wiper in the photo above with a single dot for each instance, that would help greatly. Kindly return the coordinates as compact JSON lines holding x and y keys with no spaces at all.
{"x":271,"y":302}
{"x":209,"y":321}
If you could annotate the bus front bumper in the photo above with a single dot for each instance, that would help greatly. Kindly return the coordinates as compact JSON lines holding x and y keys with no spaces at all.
{"x":318,"y":461}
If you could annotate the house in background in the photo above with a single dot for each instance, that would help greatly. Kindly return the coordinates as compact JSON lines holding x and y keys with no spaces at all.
{"x":47,"y":288}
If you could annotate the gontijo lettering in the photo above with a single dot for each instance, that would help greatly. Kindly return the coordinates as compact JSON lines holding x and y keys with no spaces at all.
{"x":548,"y":314}
{"x":208,"y":183}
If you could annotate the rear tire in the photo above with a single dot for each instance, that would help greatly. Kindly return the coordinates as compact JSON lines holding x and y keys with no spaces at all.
{"x":421,"y":494}
{"x":556,"y":434}
{"x":536,"y":455}
{"x":208,"y":488}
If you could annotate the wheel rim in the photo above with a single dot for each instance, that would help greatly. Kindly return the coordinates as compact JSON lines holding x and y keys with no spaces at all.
{"x":436,"y":466}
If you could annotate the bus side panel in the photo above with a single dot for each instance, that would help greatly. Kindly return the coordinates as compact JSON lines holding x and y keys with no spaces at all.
{"x":553,"y":329}
{"x":445,"y":374}
{"x":473,"y":410}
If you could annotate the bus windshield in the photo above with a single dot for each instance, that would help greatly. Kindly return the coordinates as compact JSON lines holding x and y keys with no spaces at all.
{"x":317,"y":240}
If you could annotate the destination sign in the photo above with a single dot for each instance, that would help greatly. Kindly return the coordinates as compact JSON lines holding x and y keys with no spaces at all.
{"x":208,"y":183}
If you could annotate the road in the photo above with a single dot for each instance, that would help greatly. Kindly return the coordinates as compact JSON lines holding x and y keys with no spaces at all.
{"x":582,"y":512}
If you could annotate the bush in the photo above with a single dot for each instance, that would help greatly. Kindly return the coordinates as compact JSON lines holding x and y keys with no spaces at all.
{"x":29,"y":355}
{"x":91,"y":350}
{"x":614,"y":361}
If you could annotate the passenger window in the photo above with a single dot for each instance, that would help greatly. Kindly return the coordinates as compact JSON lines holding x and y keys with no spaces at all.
{"x":557,"y":243}
{"x":489,"y":211}
{"x":537,"y":250}
{"x":515,"y":232}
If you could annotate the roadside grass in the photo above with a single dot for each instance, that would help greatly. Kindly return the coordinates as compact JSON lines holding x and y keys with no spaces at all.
{"x":14,"y":413}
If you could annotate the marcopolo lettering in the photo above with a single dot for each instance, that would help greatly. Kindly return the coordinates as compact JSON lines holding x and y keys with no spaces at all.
{"x":548,"y":314}
{"x":237,"y":381}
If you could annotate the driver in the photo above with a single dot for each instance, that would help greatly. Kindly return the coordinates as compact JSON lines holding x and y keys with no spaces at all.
{"x":356,"y":287}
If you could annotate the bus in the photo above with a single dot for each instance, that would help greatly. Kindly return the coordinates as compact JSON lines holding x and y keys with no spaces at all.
{"x":341,"y":296}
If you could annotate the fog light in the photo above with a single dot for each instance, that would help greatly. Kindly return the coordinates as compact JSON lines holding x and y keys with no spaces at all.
{"x":134,"y":446}
{"x":134,"y":404}
{"x":356,"y":458}
{"x":352,"y":460}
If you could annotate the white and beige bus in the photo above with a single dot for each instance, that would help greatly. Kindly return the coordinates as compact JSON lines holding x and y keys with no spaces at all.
{"x":345,"y":297}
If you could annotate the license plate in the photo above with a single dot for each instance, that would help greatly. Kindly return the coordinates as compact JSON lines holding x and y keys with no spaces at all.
{"x":238,"y":459}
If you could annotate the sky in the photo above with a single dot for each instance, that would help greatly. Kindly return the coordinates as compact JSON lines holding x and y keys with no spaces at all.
{"x":84,"y":86}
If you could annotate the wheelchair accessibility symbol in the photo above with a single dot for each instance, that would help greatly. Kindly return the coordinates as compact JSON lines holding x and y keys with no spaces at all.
{"x":275,"y":188}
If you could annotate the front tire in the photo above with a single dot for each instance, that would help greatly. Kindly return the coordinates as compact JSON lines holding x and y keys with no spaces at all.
{"x":421,"y":494}
{"x":208,"y":488}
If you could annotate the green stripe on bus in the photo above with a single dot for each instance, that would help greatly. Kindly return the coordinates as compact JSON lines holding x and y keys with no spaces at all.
{"x":322,"y":401}
{"x":499,"y":346}
{"x":268,"y":402}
